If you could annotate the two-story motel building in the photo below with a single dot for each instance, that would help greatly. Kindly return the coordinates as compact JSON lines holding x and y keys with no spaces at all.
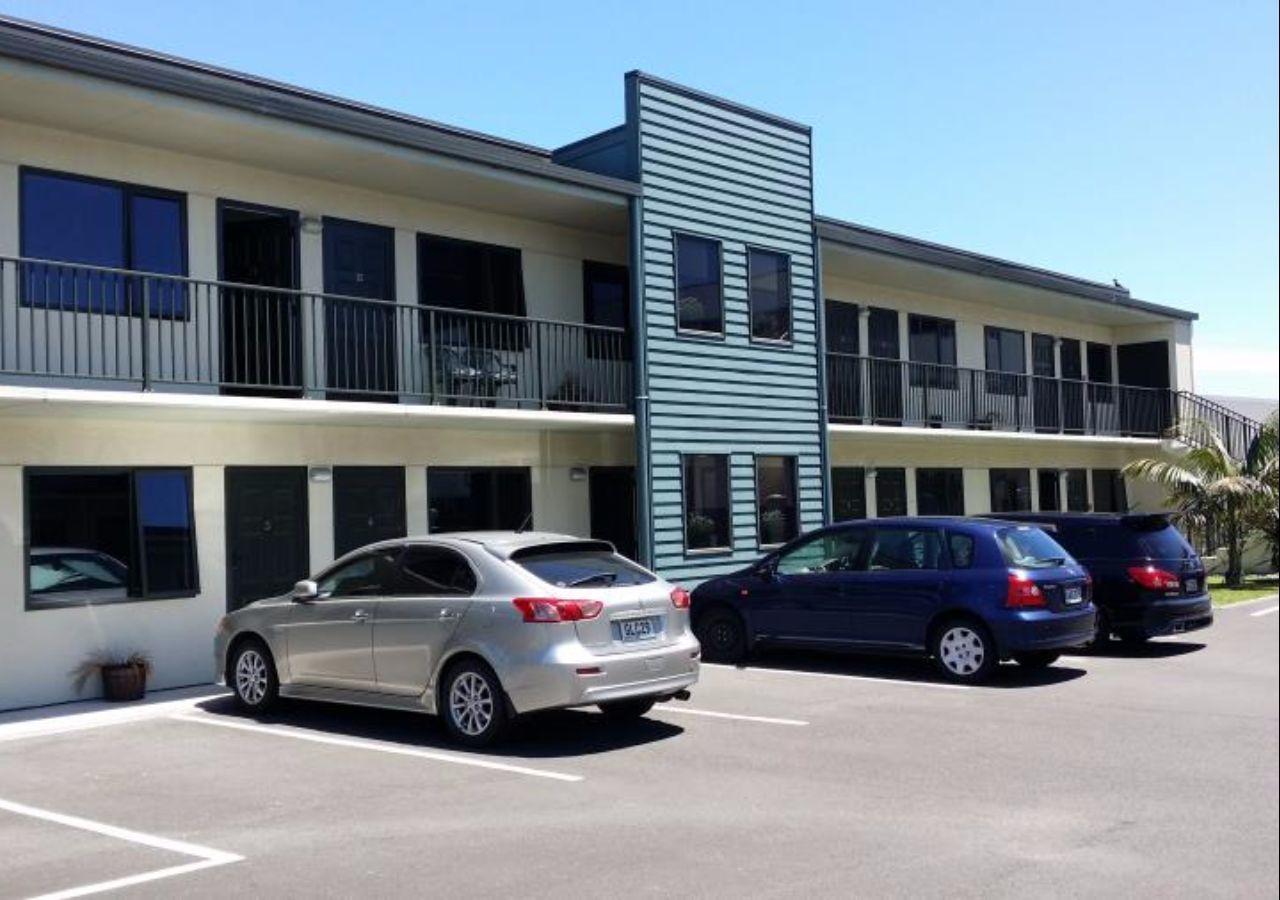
{"x":245,"y":327}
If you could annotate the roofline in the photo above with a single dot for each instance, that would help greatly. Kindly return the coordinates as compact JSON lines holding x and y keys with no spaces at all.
{"x":88,"y":55}
{"x":722,"y":102}
{"x":873,"y":239}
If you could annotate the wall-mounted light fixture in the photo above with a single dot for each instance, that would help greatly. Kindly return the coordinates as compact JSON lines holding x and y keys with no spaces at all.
{"x":320,"y":474}
{"x":578,"y":473}
{"x":311,"y":224}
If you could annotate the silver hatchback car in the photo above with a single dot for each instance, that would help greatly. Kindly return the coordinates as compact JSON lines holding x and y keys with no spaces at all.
{"x":477,"y":627}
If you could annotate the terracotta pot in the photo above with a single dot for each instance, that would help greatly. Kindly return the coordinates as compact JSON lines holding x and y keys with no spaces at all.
{"x":124,"y":682}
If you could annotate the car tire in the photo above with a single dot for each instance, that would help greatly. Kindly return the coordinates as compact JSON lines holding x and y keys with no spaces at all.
{"x":1101,"y":631}
{"x":964,"y":651}
{"x":251,"y":675}
{"x":473,"y":704}
{"x":627,"y":710}
{"x":1037,"y":659}
{"x":723,"y":636}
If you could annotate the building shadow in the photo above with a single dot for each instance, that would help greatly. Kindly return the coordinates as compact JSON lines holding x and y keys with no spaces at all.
{"x":554,"y":734}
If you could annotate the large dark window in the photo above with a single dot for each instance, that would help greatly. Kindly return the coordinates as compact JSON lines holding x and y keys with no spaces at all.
{"x":1077,"y":490}
{"x":933,"y":345}
{"x":849,"y":493}
{"x":940,"y":492}
{"x":769,"y":292}
{"x":1099,"y":360}
{"x":699,"y":298}
{"x":1109,"y":493}
{"x":776,"y":509}
{"x":97,"y":536}
{"x":842,"y":327}
{"x":1010,"y":490}
{"x":1047,"y":482}
{"x":479,"y":499}
{"x":1006,"y":361}
{"x":84,"y":221}
{"x":606,"y":300}
{"x":706,"y":502}
{"x":891,"y":492}
{"x":471,"y":278}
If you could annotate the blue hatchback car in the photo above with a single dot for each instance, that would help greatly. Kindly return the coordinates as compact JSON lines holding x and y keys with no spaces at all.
{"x":967,"y":592}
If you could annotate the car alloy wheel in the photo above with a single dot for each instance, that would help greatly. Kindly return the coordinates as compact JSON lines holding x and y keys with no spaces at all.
{"x":962,"y":651}
{"x":252,"y":678}
{"x":471,"y":703}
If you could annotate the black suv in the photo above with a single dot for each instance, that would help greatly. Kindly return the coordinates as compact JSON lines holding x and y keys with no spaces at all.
{"x":1147,"y":580}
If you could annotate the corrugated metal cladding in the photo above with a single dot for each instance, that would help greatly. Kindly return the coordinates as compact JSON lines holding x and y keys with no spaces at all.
{"x":716,"y":170}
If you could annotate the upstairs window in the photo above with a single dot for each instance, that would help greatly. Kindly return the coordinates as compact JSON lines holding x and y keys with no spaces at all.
{"x":933,"y":345}
{"x":1006,"y":361}
{"x":89,"y":222}
{"x":606,"y":300}
{"x":706,"y":502}
{"x":108,"y":535}
{"x":699,"y":293}
{"x":769,"y":292}
{"x":472,"y":278}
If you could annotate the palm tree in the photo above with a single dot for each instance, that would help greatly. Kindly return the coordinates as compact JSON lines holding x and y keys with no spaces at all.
{"x":1264,"y":518}
{"x":1209,"y":487}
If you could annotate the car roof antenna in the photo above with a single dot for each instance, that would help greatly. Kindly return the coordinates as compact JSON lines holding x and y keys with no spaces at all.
{"x":525,"y":523}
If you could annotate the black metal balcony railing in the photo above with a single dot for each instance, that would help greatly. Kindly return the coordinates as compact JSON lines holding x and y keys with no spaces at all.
{"x":61,"y":322}
{"x":1237,"y":432}
{"x":897,"y":392}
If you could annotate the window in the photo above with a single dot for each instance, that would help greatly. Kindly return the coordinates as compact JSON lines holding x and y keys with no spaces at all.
{"x":1077,"y":490}
{"x":699,"y":300}
{"x":371,"y":575}
{"x":435,"y":572}
{"x":90,"y":222}
{"x":849,"y":493}
{"x":479,"y":499}
{"x":472,"y":278}
{"x":932,"y":341}
{"x":842,"y":327}
{"x":769,"y":293}
{"x":1006,"y":361}
{"x":606,"y":300}
{"x":1070,"y":351}
{"x":1028,"y":547}
{"x":1047,"y":482}
{"x":961,"y":546}
{"x":904,"y":548}
{"x":1010,"y":490}
{"x":706,"y":502}
{"x":1098,"y":357}
{"x":581,"y":565}
{"x":97,"y":536}
{"x":776,"y":519}
{"x":1109,"y":493}
{"x":831,"y":551}
{"x":891,"y":492}
{"x":940,"y":492}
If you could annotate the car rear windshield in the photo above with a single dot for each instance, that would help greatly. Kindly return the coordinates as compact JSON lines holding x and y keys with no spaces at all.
{"x":1157,"y":539}
{"x":1030,"y":548}
{"x":582,"y":568}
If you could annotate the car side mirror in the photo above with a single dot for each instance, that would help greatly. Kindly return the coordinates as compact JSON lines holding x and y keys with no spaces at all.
{"x":305,"y":591}
{"x":767,"y":570}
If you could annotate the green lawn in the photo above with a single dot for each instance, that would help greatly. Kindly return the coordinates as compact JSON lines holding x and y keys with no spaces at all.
{"x":1253,"y":588}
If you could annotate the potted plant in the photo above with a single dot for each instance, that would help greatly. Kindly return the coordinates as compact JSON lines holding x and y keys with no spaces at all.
{"x":773,"y":527}
{"x":701,"y":531}
{"x":124,"y":676}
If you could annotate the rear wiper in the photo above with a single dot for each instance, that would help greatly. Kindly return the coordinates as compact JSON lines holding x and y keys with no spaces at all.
{"x":604,"y":577}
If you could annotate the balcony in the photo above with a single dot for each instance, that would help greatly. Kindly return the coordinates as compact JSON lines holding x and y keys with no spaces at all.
{"x":896,"y":392}
{"x":74,"y":325}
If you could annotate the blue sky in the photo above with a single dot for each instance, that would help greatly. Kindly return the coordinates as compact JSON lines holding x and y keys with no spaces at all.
{"x":1135,"y":140}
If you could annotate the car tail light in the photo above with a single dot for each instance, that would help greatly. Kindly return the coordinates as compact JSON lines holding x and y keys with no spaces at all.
{"x":548,"y":609}
{"x":1023,"y":592}
{"x":1154,"y":579}
{"x":679,"y":598}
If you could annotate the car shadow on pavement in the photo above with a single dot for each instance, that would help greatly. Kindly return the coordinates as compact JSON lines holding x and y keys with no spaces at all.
{"x":544,"y":735}
{"x":894,"y":668}
{"x":1147,"y":650}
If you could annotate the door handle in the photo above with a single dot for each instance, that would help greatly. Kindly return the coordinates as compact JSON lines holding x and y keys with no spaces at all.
{"x":359,"y":616}
{"x":448,"y":614}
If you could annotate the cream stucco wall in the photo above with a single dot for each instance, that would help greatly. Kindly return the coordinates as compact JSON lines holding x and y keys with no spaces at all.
{"x":38,"y":648}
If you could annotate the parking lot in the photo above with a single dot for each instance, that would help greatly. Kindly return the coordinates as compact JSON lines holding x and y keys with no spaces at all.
{"x":1150,"y":773}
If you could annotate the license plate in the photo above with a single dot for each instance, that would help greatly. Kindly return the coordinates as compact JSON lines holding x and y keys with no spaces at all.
{"x":1192,"y":585}
{"x":1073,"y":594}
{"x":637,"y":629}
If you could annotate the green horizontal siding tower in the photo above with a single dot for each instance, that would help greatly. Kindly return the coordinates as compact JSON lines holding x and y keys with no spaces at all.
{"x":727,"y":174}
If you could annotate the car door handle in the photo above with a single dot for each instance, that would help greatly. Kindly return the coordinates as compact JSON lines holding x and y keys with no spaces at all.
{"x":448,"y":614}
{"x":360,"y":615}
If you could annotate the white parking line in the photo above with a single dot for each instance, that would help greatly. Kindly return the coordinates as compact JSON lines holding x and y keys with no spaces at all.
{"x":206,"y":857}
{"x":766,"y":720}
{"x":942,"y":685}
{"x":1264,"y":612}
{"x":456,"y":759}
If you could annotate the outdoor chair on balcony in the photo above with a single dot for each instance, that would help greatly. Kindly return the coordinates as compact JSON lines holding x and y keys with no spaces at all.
{"x":463,"y":371}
